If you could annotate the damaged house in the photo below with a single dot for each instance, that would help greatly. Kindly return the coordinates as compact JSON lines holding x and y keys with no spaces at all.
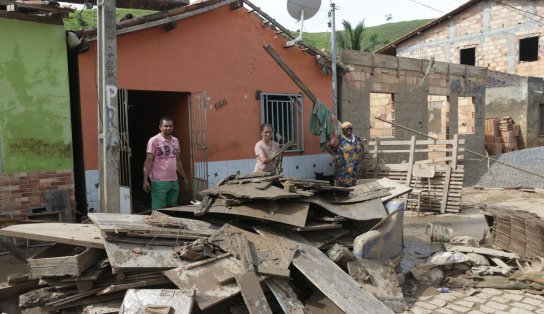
{"x":205,"y":66}
{"x":503,"y":36}
{"x":36,"y":162}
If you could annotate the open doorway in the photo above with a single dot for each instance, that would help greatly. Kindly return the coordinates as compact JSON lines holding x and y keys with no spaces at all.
{"x":145,"y":108}
{"x":439,"y":123}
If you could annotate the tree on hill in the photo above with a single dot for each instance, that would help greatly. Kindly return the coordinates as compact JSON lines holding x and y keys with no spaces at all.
{"x":351,"y":38}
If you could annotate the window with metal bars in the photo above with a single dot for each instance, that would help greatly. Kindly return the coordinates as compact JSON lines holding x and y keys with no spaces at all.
{"x":285,"y":113}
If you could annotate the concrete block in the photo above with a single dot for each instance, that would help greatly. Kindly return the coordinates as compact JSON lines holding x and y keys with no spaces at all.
{"x":409,"y":64}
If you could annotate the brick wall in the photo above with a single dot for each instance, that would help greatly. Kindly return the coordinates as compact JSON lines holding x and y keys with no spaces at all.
{"x":494,"y":29}
{"x":20,"y":192}
{"x":400,"y":89}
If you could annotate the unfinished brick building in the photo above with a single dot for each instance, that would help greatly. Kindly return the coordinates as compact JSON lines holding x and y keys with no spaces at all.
{"x":501,"y":35}
{"x":436,"y":98}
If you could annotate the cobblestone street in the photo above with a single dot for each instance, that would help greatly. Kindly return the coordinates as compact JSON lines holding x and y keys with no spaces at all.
{"x":484,"y":300}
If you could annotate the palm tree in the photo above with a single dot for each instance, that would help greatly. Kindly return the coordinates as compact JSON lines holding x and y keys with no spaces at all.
{"x":351,"y":37}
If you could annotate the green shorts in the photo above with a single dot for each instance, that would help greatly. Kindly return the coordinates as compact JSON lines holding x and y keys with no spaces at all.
{"x":164,"y":194}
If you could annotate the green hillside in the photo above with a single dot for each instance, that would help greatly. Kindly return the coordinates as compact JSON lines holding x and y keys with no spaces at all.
{"x":385,"y":34}
{"x":87,"y":18}
{"x":381,"y":34}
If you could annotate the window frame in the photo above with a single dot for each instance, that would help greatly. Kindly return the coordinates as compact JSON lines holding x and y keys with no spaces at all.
{"x":537,"y":48}
{"x":296,"y":121}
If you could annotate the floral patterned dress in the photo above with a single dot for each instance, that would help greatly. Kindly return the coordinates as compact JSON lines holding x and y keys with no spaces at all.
{"x":349,"y":164}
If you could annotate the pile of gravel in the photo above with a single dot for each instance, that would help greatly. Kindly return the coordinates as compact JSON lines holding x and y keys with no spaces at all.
{"x":530,"y":159}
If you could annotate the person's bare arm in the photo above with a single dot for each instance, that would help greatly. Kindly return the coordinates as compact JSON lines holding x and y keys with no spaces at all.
{"x":148,"y":165}
{"x":265,"y":160}
{"x":332,"y":146}
{"x":179,"y":169}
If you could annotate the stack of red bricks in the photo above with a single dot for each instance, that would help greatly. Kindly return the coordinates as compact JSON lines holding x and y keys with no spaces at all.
{"x":509,"y":134}
{"x":501,"y":135}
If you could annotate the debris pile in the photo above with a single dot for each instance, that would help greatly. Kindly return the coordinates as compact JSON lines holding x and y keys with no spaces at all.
{"x":282,"y":244}
{"x":466,"y":263}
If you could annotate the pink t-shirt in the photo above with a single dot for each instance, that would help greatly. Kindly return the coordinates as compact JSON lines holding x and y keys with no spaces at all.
{"x":267,"y":151}
{"x":165,"y":160}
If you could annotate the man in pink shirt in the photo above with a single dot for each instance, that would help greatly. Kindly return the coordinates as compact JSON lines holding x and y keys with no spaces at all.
{"x":161,"y":165}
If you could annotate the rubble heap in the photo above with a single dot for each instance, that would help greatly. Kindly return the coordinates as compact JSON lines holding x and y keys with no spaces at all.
{"x":282,"y":244}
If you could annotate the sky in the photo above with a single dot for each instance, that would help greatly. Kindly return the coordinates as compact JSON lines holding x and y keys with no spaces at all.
{"x":372,"y":11}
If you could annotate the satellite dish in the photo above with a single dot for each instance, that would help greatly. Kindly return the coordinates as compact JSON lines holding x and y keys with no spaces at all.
{"x":301,"y":10}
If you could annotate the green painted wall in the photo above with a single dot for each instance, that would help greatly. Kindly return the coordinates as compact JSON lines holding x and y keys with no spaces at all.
{"x":35,"y":127}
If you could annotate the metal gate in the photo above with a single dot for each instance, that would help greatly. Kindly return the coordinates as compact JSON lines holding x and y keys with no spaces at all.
{"x":199,"y":142}
{"x":124,"y":154}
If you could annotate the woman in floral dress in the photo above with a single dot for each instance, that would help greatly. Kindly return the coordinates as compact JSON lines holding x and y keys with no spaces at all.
{"x":348,"y":153}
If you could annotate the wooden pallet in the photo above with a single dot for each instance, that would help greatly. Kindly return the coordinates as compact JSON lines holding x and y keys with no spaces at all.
{"x":443,"y":192}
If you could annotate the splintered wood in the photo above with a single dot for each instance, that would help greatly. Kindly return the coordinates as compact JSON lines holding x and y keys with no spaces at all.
{"x":211,"y":262}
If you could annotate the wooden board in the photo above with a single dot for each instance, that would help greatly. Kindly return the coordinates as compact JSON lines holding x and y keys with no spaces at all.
{"x":397,"y":189}
{"x":480,"y":250}
{"x":129,"y":256}
{"x":372,"y":209}
{"x":333,"y":282}
{"x":272,"y":256}
{"x":87,"y":235}
{"x":251,"y":191}
{"x":116,"y":223}
{"x":60,"y":260}
{"x":136,"y":300}
{"x":286,"y":296}
{"x":204,"y":281}
{"x":252,"y":293}
{"x":321,"y":237}
{"x":291,"y":213}
{"x":359,"y":194}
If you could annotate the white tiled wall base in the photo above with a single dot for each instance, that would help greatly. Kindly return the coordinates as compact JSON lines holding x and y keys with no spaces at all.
{"x":303,"y":167}
{"x":293,"y":166}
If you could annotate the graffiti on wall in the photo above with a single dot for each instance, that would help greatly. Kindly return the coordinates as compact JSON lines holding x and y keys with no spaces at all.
{"x":42,"y":148}
{"x":467,"y":87}
{"x":471,"y":89}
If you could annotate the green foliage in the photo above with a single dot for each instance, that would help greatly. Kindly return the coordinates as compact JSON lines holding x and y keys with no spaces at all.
{"x":351,"y":37}
{"x":87,"y":18}
{"x":375,"y":37}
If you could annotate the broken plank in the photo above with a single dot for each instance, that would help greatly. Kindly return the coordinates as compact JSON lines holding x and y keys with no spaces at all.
{"x":136,"y":300}
{"x":314,"y":226}
{"x":61,"y":260}
{"x":128,"y":256}
{"x":286,"y":297}
{"x":321,"y":238}
{"x":291,"y":213}
{"x":250,"y":191}
{"x":206,"y":261}
{"x":272,"y":256}
{"x":87,"y":235}
{"x":360,"y":193}
{"x":333,"y":282}
{"x":480,"y":250}
{"x":501,"y":264}
{"x":252,"y":293}
{"x":131,"y":285}
{"x":367,"y":210}
{"x":115,"y":223}
{"x":208,"y":291}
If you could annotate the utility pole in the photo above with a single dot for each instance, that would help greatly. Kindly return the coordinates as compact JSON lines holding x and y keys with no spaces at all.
{"x":333,"y":43}
{"x":108,"y":111}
